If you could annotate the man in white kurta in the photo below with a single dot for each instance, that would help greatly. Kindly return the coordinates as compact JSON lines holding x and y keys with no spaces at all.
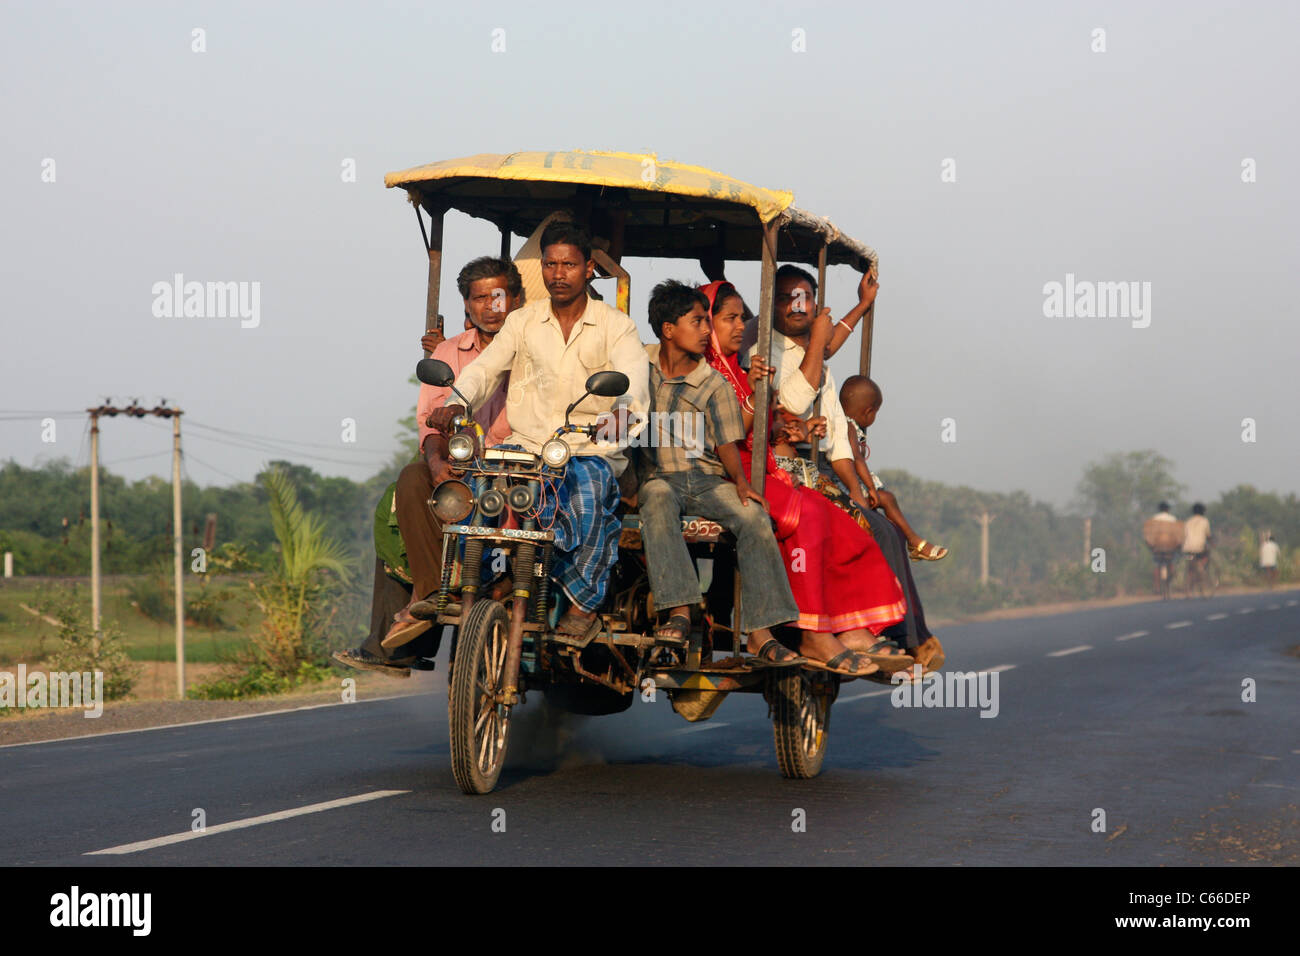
{"x":549,"y":348}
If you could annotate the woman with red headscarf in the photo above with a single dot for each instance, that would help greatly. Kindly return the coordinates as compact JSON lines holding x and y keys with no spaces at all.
{"x":840,"y":580}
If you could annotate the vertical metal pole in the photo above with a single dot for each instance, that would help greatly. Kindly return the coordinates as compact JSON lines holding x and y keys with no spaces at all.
{"x":95,"y":596}
{"x":435,"y":269}
{"x":763,"y":394}
{"x":868,"y":330}
{"x":176,"y":547}
{"x":821,"y":301}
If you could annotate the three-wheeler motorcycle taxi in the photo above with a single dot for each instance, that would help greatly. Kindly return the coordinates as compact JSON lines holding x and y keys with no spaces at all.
{"x":633,"y":205}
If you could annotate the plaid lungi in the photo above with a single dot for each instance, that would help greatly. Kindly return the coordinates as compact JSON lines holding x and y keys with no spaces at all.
{"x":581,"y":513}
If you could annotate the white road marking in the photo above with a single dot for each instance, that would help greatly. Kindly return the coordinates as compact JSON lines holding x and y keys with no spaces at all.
{"x":210,"y":720}
{"x":697,"y":728}
{"x":1071,"y":650}
{"x":1274,"y":607}
{"x":999,"y":669}
{"x":1177,"y":624}
{"x":242,"y":824}
{"x":1215,"y":617}
{"x":874,"y":693}
{"x":1292,"y":603}
{"x":1246,"y":610}
{"x":1129,"y":637}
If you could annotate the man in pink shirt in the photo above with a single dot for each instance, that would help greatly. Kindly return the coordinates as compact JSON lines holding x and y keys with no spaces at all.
{"x":491,"y":288}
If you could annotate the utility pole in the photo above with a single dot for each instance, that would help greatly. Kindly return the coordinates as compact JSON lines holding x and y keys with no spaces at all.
{"x":984,"y":519}
{"x":134,"y":410}
{"x":176,"y":546}
{"x":94,"y":521}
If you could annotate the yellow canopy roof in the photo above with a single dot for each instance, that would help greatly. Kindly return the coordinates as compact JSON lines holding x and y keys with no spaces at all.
{"x":628,"y":170}
{"x":663,"y":208}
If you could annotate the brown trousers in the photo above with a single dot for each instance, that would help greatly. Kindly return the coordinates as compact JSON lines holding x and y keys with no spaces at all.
{"x":422,"y":535}
{"x":420,"y":529}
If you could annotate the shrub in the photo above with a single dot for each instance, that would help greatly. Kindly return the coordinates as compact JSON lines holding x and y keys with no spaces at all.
{"x":81,"y":649}
{"x":257,"y":680}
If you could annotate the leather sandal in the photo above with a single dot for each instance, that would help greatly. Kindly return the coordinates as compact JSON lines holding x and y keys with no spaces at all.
{"x":765,"y":656}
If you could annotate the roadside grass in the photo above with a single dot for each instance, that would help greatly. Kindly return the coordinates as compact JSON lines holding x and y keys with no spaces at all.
{"x":28,"y":638}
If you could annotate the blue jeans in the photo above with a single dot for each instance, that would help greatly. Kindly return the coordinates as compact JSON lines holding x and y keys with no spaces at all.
{"x":765,"y":595}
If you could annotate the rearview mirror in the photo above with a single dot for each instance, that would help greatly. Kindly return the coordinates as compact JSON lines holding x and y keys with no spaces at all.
{"x":435,"y":372}
{"x":608,"y":384}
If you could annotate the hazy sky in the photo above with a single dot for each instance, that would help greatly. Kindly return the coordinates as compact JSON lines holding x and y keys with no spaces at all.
{"x":226,"y":165}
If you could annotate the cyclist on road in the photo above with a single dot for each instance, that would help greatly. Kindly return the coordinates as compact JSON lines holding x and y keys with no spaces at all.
{"x":1196,"y":539}
{"x":1163,"y":547}
{"x":1268,"y":555}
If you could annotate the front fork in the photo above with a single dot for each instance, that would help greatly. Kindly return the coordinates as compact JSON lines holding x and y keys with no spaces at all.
{"x":525,"y":561}
{"x":524,"y":566}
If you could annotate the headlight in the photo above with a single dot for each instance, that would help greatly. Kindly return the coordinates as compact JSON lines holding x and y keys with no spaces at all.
{"x":555,"y":452}
{"x":452,"y":501}
{"x":492,"y":503}
{"x":460,"y":447}
{"x":520,"y":498}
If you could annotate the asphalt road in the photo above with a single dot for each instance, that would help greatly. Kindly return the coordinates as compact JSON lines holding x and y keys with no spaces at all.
{"x":1136,"y":711}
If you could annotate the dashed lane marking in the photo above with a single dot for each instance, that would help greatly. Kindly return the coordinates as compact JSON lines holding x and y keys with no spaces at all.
{"x":874,"y":693}
{"x":699,"y":728}
{"x":1175,"y":625}
{"x":1215,"y":617}
{"x":243,"y":824}
{"x":1274,"y":607}
{"x":1135,"y":634}
{"x":1071,"y":650}
{"x":1245,"y":610}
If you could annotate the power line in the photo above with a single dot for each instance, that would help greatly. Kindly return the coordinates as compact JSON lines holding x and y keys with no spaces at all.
{"x":285,"y":441}
{"x":200,"y":461}
{"x":118,"y":461}
{"x":274,"y":450}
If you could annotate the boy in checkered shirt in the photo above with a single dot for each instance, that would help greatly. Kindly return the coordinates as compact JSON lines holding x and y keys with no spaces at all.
{"x":691,"y":465}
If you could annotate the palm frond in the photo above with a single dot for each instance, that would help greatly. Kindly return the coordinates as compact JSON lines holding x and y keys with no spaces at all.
{"x":304,"y":546}
{"x":286,"y":513}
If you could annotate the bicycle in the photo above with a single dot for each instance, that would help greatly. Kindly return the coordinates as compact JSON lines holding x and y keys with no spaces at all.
{"x":1202,"y":575}
{"x":1164,"y":573}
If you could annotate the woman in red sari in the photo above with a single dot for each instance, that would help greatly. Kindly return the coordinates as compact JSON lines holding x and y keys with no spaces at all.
{"x":840,"y":580}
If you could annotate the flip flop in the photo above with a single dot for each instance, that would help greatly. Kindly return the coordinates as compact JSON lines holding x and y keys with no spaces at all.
{"x":846,"y":656}
{"x":919,"y":553}
{"x":678,"y":622}
{"x":908,"y":678}
{"x":403,"y":632}
{"x":888,"y":655}
{"x":934,"y":658}
{"x":576,"y":638}
{"x":425,"y":610}
{"x":764,"y":656}
{"x":365,"y":661}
